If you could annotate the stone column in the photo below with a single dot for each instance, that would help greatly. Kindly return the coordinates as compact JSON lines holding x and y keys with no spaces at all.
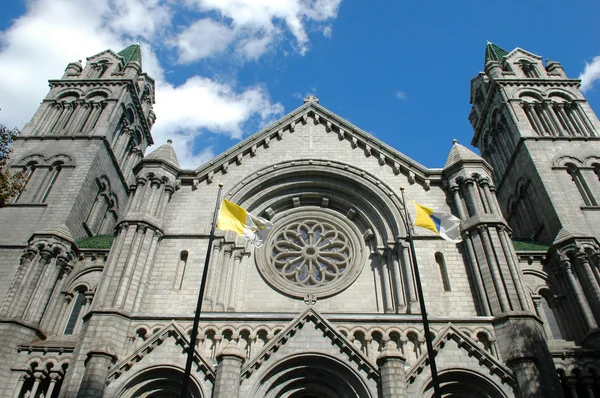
{"x":388,"y":305}
{"x":55,"y":305}
{"x":141,"y":187}
{"x":397,"y":284}
{"x":32,"y":281}
{"x":237,"y":260}
{"x":222,"y":287}
{"x":209,"y":295}
{"x":155,"y":194}
{"x":481,"y":292}
{"x":165,"y":198}
{"x":512,"y":267}
{"x":593,"y":290}
{"x":129,"y":266}
{"x":473,"y":204}
{"x":391,"y":369}
{"x":552,"y":113}
{"x":96,"y":370}
{"x":588,"y":318}
{"x":17,"y":391}
{"x":49,"y":282}
{"x":54,"y":377}
{"x":455,"y":189}
{"x":36,"y":384}
{"x":145,"y":278}
{"x":229,"y":371}
{"x":494,"y":270}
{"x":408,"y":279}
{"x":25,"y":261}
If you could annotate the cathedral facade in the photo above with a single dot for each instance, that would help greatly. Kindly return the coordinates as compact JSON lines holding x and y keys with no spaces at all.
{"x":102,"y":253}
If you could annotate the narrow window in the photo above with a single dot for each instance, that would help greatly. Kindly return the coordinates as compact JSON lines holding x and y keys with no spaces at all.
{"x":28,"y":174}
{"x":584,"y":190}
{"x":182,"y":264}
{"x":76,"y":310}
{"x":597,"y":170}
{"x":55,"y":172}
{"x":439,"y":258}
{"x":552,"y":319}
{"x":529,"y":69}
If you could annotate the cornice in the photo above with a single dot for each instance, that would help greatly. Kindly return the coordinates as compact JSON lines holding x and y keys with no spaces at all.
{"x":371,"y":146}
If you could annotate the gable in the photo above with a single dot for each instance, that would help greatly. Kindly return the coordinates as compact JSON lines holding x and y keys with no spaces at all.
{"x":165,"y":346}
{"x":302,"y":121}
{"x":310,"y":333}
{"x":457,"y":353}
{"x":519,"y":53}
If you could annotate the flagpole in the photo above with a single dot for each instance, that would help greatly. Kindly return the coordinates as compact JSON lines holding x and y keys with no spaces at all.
{"x":194,"y":336}
{"x":431,"y":355}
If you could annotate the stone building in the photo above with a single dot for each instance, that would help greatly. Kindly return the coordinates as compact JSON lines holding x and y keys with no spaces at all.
{"x":102,"y":253}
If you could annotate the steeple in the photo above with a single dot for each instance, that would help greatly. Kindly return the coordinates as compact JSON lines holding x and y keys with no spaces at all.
{"x":527,"y":113}
{"x":460,"y":153}
{"x":132,"y":53}
{"x":165,"y":153}
{"x":494,"y":52}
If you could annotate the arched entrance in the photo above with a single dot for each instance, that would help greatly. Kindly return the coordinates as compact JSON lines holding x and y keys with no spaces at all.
{"x":465,"y":384}
{"x":160,"y":382}
{"x":311,"y":376}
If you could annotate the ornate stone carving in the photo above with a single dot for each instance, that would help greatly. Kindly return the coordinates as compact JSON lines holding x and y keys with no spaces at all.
{"x":310,"y":253}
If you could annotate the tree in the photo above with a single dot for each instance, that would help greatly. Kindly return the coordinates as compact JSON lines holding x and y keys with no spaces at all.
{"x":10,"y":183}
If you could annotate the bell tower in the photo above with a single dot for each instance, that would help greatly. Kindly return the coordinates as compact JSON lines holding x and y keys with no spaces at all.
{"x":79,"y":149}
{"x":536,"y":129}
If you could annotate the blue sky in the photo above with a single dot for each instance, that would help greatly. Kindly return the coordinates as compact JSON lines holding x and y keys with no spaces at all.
{"x":225,"y":68}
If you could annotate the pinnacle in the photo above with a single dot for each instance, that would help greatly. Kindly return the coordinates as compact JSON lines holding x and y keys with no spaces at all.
{"x":494,"y":52}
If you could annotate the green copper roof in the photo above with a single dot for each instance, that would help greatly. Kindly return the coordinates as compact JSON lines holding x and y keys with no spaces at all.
{"x":529,"y":246}
{"x":494,"y":53}
{"x":96,"y":242}
{"x":132,"y":53}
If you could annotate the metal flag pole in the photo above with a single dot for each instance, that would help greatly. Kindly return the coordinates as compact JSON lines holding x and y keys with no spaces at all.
{"x":430,"y":354}
{"x":194,"y":336}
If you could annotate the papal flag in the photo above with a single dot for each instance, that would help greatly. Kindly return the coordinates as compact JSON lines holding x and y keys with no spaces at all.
{"x":444,"y":224}
{"x":235,"y":218}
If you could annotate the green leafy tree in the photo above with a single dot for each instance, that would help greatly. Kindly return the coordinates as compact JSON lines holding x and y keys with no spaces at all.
{"x":10,"y":183}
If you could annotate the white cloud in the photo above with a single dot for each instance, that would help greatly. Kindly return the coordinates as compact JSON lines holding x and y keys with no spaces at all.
{"x":39,"y":45}
{"x":590,"y":74}
{"x":401,"y":95}
{"x":200,"y":103}
{"x":202,"y":39}
{"x":264,"y":20}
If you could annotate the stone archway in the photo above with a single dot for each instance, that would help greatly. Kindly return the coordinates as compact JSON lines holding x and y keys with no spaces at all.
{"x":462,"y":383}
{"x":311,"y":376}
{"x":159,"y":382}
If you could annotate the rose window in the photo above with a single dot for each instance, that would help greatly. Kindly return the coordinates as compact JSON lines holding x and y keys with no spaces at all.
{"x":311,"y":254}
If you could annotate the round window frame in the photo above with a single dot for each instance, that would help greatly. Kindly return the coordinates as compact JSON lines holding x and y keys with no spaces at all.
{"x":355,"y":265}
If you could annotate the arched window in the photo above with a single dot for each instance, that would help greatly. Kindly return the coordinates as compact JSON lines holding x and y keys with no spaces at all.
{"x":412,"y":348}
{"x":439,"y":259}
{"x":75,"y":312}
{"x":582,"y":187}
{"x":50,"y":181}
{"x":596,"y":167}
{"x":529,"y":69}
{"x":181,"y":266}
{"x":549,"y":307}
{"x":28,"y":172}
{"x":103,"y":214}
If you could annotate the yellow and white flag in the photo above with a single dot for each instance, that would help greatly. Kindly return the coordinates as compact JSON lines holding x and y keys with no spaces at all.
{"x":235,"y":218}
